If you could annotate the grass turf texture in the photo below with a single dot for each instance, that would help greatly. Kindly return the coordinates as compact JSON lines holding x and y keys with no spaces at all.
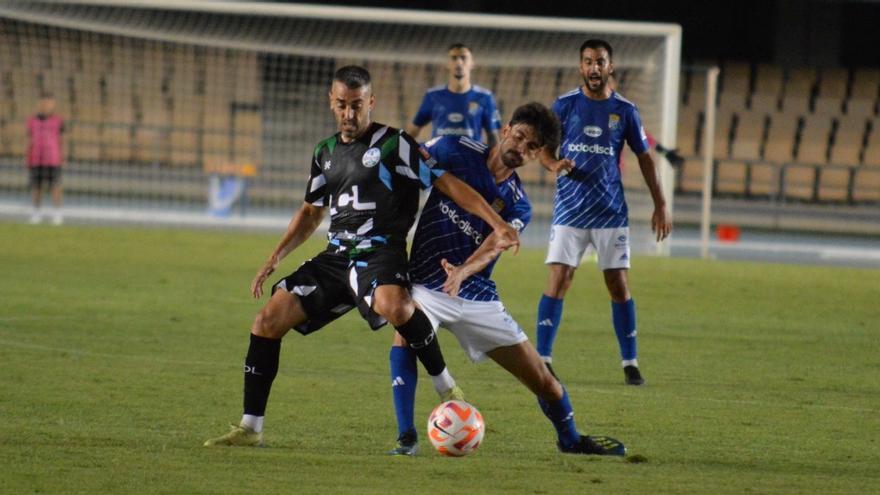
{"x":122,"y":352}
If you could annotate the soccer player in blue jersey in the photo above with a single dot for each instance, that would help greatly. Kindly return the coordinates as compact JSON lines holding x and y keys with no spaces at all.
{"x":451,"y":265}
{"x":590,"y":208}
{"x":459,"y":108}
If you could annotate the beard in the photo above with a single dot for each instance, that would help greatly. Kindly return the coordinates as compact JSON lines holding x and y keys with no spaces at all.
{"x":596,"y":84}
{"x":512,"y":159}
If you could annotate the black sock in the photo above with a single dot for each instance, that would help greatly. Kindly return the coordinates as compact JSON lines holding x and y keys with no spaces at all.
{"x":419,"y":335}
{"x":260,"y":368}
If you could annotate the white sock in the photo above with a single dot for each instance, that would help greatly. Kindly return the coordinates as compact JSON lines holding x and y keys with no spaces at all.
{"x":253,"y":422}
{"x":629,"y":362}
{"x":443,"y":381}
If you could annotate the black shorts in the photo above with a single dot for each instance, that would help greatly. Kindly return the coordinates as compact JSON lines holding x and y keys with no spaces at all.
{"x":331,"y":284}
{"x":44,"y":174}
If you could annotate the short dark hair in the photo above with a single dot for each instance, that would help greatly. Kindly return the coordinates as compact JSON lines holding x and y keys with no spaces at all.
{"x":353,"y":76}
{"x":595,"y":44}
{"x":541,"y":119}
{"x":458,"y":46}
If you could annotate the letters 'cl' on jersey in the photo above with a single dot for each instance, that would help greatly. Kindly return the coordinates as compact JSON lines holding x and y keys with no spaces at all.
{"x":446,"y":230}
{"x":593,"y":133}
{"x":459,"y":114}
{"x":371,"y":186}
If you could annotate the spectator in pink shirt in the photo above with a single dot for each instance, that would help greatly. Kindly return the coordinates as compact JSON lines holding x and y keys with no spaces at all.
{"x":44,"y":157}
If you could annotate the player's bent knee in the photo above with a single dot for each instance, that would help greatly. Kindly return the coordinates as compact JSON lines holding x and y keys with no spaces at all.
{"x":395,"y":310}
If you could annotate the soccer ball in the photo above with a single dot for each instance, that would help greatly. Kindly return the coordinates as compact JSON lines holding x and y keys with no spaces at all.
{"x":456,"y":428}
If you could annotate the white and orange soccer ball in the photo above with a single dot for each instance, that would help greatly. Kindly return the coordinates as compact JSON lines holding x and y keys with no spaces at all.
{"x":456,"y":428}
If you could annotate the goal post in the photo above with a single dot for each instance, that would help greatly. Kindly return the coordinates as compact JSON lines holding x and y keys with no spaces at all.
{"x":161,"y":96}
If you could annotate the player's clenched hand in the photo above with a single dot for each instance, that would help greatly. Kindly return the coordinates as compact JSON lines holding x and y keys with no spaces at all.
{"x":507,"y":237}
{"x":661,"y":224}
{"x":454,"y":277}
{"x":262,"y":275}
{"x":561,"y":167}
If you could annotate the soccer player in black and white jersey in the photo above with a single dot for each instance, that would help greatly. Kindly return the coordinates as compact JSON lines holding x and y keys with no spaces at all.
{"x":369,"y":176}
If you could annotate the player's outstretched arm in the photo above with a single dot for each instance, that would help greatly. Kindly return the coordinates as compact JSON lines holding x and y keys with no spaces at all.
{"x":491,"y":248}
{"x":661,"y":222}
{"x":300,"y":228}
{"x":465,"y":196}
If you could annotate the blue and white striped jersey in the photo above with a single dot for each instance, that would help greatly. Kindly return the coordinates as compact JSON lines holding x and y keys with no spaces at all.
{"x":446,"y":230}
{"x":593,"y":132}
{"x":459,"y":114}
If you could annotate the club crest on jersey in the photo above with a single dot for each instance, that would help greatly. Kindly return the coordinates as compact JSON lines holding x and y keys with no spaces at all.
{"x":593,"y":131}
{"x":473,"y":108}
{"x":613,"y":121}
{"x":498,"y":205}
{"x":371,"y":157}
{"x":455,"y":117}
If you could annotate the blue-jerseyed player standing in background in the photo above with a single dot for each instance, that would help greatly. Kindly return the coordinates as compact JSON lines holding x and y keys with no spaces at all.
{"x":451,"y":265}
{"x":459,"y":108}
{"x":590,"y":208}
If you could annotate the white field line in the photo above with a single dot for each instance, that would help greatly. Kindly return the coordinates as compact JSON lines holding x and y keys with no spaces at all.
{"x":822,"y":250}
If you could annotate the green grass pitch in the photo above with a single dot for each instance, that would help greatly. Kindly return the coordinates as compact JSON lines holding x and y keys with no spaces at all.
{"x":122,"y":348}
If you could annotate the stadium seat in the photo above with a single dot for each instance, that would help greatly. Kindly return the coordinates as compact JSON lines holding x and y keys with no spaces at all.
{"x":247,"y":78}
{"x":183,"y":148}
{"x":814,"y":138}
{"x":831,"y":92}
{"x":768,"y":89}
{"x":735,"y":85}
{"x":85,"y":141}
{"x":834,"y":183}
{"x":730,"y":177}
{"x":849,"y":135}
{"x":866,"y":185}
{"x":542,"y":85}
{"x":695,"y":97}
{"x":799,"y":86}
{"x":150,"y":145}
{"x":116,"y":142}
{"x":799,"y":182}
{"x":387,"y":91}
{"x":872,"y":150}
{"x":689,"y":119}
{"x":764,"y":179}
{"x":780,"y":138}
{"x":723,"y":127}
{"x":691,"y":180}
{"x":749,"y":135}
{"x":509,"y":92}
{"x":414,"y":80}
{"x":864,"y":93}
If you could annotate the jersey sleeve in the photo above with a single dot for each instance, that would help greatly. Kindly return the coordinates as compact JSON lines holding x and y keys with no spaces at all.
{"x":635,"y":133}
{"x":520,"y":213}
{"x":423,"y":115}
{"x":415,"y":163}
{"x":491,"y":117}
{"x":316,"y":188}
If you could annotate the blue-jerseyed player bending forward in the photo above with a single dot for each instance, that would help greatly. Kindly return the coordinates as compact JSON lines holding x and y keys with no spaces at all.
{"x":590,"y":208}
{"x":451,"y":265}
{"x":458,"y":108}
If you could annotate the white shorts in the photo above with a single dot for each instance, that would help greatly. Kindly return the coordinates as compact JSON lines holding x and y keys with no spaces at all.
{"x":568,"y":245}
{"x":479,"y":326}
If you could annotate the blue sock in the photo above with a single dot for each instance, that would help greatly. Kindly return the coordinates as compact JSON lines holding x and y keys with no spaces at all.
{"x":549,"y":316}
{"x":404,"y":376}
{"x":561,"y":415}
{"x":623,"y":315}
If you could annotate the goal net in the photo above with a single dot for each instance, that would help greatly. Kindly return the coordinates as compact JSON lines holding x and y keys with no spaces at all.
{"x":186,"y":105}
